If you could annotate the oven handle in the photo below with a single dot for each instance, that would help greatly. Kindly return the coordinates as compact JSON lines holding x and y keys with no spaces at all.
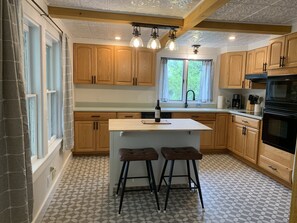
{"x":281,"y":114}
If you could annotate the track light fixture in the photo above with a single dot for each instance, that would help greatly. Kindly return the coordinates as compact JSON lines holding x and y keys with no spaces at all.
{"x":136,"y":40}
{"x":154,"y":42}
{"x":171,"y":44}
{"x":195,"y":48}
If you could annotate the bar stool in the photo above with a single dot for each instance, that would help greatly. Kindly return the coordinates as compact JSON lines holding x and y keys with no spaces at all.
{"x":180,"y":153}
{"x":142,"y":154}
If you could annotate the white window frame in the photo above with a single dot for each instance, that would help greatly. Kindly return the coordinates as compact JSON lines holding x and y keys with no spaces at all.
{"x":184,"y":83}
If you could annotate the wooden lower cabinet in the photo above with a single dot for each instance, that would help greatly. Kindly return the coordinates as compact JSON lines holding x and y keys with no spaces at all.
{"x":91,"y":132}
{"x":251,"y":144}
{"x":238,"y":139}
{"x":207,"y":138}
{"x":221,"y":133}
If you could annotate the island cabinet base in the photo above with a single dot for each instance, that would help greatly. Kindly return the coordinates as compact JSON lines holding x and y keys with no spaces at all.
{"x":156,"y":140}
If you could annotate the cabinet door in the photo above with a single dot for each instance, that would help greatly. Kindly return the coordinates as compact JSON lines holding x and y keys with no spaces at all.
{"x":145,"y":67}
{"x":250,"y":62}
{"x":231,"y":136}
{"x":260,"y":60}
{"x":104,"y":64}
{"x":251,"y":144}
{"x":237,"y":61}
{"x":275,"y":52}
{"x":291,"y":50}
{"x":84,"y":60}
{"x":103,"y":137}
{"x":207,"y":137}
{"x":238,"y":139}
{"x":124,"y":65}
{"x":85,"y":136}
{"x":221,"y":138}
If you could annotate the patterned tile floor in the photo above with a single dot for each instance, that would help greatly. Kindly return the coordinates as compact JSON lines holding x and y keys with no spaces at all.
{"x":232,"y":192}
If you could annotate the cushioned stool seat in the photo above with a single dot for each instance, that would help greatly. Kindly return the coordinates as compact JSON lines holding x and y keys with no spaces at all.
{"x":141,"y":154}
{"x":180,"y":153}
{"x":138,"y":154}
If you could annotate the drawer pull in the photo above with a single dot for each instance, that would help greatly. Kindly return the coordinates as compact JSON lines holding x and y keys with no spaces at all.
{"x":128,"y":116}
{"x":273,"y":168}
{"x":195,"y":116}
{"x":95,"y":116}
{"x":244,"y":121}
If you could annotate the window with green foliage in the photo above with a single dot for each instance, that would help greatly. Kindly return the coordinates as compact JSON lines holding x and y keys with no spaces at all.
{"x":180,"y":75}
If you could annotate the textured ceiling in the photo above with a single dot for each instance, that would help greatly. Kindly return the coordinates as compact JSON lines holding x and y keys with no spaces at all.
{"x":172,"y":8}
{"x":258,"y":11}
{"x":243,"y":11}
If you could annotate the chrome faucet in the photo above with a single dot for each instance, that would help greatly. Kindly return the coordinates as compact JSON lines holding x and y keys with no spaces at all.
{"x":186,"y":103}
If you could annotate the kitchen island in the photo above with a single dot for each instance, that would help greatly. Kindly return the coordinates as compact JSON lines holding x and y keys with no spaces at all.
{"x":134,"y":133}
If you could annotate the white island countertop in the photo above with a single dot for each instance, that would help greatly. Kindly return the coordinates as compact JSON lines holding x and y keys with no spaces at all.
{"x":165,"y":125}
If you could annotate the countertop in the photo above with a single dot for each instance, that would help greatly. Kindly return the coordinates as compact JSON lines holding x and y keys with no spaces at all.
{"x":151,"y":109}
{"x":166,"y":125}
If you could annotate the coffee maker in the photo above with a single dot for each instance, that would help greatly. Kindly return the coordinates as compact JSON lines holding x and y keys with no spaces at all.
{"x":236,"y":101}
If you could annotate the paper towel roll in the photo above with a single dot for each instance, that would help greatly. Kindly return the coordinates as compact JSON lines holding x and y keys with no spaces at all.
{"x":220,"y":101}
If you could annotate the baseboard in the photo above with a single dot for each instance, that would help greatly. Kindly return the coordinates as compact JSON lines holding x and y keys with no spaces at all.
{"x":39,"y":216}
{"x":214,"y":151}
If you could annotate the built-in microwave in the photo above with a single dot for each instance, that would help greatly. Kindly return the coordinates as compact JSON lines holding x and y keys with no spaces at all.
{"x":281,"y":92}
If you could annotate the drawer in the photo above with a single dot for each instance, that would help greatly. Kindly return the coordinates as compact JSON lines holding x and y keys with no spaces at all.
{"x":275,"y":168}
{"x":94,"y":116}
{"x":123,"y":115}
{"x":195,"y":115}
{"x":246,"y":121}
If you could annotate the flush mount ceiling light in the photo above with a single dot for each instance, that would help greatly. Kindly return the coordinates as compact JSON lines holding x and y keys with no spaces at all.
{"x":154,"y":42}
{"x":171,"y":44}
{"x":117,"y":38}
{"x":136,"y":40}
{"x":231,"y":37}
{"x":195,"y":48}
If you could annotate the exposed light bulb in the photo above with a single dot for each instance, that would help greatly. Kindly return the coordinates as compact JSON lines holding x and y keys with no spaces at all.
{"x":231,"y":37}
{"x":136,"y":43}
{"x":154,"y":44}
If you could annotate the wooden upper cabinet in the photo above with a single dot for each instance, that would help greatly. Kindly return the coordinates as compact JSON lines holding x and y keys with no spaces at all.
{"x":275,"y":52}
{"x":124,"y":65}
{"x":104,"y":64}
{"x":291,"y":50}
{"x":250,"y":62}
{"x":232,"y":69}
{"x":145,"y":67}
{"x":83,"y":60}
{"x":260,"y":60}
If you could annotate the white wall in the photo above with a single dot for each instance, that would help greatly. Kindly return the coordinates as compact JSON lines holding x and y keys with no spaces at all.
{"x":55,"y":157}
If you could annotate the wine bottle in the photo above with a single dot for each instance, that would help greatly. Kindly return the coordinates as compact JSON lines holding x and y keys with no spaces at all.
{"x":158,"y":112}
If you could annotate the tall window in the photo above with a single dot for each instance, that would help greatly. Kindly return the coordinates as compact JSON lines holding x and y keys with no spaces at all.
{"x":52,"y":82}
{"x":31,"y":36}
{"x":180,"y":75}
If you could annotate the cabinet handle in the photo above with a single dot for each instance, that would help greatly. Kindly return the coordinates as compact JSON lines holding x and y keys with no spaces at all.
{"x":283,"y":61}
{"x":95,"y":116}
{"x":95,"y":79}
{"x":265,"y":67}
{"x":244,"y":121}
{"x":280,"y":61}
{"x":232,"y":119}
{"x":97,"y":125}
{"x":94,"y":127}
{"x":195,"y":116}
{"x":242,"y":131}
{"x":128,"y":116}
{"x":133,"y":81}
{"x":273,"y":168}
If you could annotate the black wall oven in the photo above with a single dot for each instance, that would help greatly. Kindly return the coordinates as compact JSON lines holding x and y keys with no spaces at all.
{"x":280,"y":113}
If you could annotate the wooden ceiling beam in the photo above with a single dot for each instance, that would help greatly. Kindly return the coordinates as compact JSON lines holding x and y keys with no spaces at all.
{"x":203,"y":10}
{"x":110,"y":17}
{"x":243,"y":28}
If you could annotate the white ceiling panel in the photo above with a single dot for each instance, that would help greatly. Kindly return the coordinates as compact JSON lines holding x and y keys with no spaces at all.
{"x":221,"y":39}
{"x":172,"y":8}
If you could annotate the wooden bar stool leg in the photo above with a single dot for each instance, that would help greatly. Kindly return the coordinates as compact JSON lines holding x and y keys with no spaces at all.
{"x":169,"y":184}
{"x":154,"y":183}
{"x":149,"y":175}
{"x":162,"y":175}
{"x":189,"y":175}
{"x":124,"y":186}
{"x":121,"y":177}
{"x":197,"y":182}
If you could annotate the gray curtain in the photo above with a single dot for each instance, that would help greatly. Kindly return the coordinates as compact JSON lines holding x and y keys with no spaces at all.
{"x":16,"y":194}
{"x":68,"y":128}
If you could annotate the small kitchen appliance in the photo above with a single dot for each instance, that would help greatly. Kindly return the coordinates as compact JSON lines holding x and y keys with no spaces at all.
{"x":236,"y":101}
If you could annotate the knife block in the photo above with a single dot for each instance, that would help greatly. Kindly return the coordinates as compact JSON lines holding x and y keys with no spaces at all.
{"x":249,"y":106}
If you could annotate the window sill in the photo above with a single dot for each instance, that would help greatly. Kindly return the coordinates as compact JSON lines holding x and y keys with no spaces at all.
{"x":39,"y":165}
